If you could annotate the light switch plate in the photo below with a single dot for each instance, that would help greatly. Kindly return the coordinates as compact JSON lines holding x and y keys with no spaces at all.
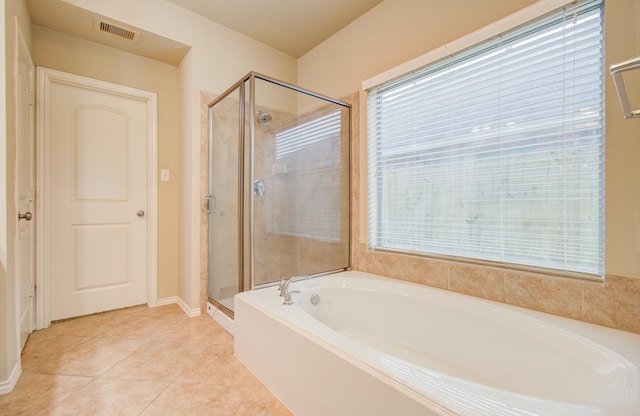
{"x":164,"y":175}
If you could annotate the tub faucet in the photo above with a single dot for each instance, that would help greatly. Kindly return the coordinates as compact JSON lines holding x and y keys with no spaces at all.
{"x":284,"y":286}
{"x":287,"y":297}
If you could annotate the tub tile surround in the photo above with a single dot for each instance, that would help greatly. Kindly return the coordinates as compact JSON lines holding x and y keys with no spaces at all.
{"x":614,"y":303}
{"x":544,"y":294}
{"x":480,"y":282}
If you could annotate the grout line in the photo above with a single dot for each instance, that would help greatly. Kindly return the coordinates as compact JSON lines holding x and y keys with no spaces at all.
{"x":169,"y":383}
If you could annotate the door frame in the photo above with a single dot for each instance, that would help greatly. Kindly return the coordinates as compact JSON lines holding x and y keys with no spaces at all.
{"x":45,"y":77}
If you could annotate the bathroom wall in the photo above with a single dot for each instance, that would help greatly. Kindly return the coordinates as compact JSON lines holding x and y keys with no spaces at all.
{"x":218,"y":58}
{"x":74,"y":55}
{"x":419,"y":27}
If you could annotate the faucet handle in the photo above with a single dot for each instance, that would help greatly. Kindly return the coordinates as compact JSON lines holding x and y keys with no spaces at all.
{"x":287,"y":297}
{"x":283,"y":281}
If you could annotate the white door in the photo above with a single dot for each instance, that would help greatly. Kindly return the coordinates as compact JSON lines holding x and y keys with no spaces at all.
{"x":98,"y":138}
{"x":25,"y":254}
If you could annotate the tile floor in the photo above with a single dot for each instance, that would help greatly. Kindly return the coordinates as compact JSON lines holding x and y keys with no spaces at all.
{"x":136,"y":361}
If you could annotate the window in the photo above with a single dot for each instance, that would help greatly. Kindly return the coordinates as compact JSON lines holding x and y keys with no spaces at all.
{"x":496,"y":153}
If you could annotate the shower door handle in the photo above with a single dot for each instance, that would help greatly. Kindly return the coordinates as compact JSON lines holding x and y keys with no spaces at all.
{"x":206,"y":202}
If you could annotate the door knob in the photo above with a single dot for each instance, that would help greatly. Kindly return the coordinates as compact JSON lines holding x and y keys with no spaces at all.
{"x":26,"y":216}
{"x":140,"y":213}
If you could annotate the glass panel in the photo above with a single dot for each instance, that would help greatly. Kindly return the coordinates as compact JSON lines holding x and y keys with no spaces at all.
{"x":300,"y":184}
{"x":224,"y":149}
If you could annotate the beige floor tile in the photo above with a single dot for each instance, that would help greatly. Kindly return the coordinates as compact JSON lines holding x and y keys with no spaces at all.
{"x":235,"y":374}
{"x":129,"y":333}
{"x":165,"y":310}
{"x":90,"y":358}
{"x":35,"y":393}
{"x":86,"y":326}
{"x":150,"y":322}
{"x":200,"y":329}
{"x":144,"y":326}
{"x":212,"y":399}
{"x":42,"y":348}
{"x":209,"y":366}
{"x":156,"y":361}
{"x":106,"y":397}
{"x":171,"y":359}
{"x":193,"y":399}
{"x":262,"y":405}
{"x":254,"y":397}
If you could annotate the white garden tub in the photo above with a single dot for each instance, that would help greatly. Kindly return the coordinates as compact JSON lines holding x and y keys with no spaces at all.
{"x":377,"y":346}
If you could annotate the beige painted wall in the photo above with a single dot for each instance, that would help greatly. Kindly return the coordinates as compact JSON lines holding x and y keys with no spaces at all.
{"x":398,"y":30}
{"x":218,"y":58}
{"x":9,"y":352}
{"x":622,"y":175}
{"x":70,"y":54}
{"x":392,"y":33}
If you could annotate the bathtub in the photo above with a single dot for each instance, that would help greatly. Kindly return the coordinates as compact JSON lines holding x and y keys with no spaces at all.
{"x":377,"y":346}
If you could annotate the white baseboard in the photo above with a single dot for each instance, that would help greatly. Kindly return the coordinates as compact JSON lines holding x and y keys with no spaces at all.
{"x":221,"y":318}
{"x":8,"y":385}
{"x":167,"y":301}
{"x":191,"y":312}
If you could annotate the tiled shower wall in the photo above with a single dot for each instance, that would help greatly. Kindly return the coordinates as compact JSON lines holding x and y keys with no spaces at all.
{"x":615,"y":303}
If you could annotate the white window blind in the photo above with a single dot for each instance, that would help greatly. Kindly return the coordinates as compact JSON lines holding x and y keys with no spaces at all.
{"x":496,"y":153}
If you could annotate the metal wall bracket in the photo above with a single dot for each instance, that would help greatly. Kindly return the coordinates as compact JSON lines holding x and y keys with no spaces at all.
{"x":618,"y":78}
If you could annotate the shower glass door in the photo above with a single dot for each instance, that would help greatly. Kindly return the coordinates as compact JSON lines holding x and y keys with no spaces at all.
{"x":299,"y":182}
{"x":225,"y":199}
{"x":278,"y":186}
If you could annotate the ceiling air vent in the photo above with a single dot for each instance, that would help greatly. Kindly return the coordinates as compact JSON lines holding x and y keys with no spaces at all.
{"x":106,"y":27}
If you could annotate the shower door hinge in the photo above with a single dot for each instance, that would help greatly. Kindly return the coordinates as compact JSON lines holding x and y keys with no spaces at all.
{"x":208,"y":203}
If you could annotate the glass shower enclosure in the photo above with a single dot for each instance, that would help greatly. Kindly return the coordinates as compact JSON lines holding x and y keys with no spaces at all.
{"x":278,"y":193}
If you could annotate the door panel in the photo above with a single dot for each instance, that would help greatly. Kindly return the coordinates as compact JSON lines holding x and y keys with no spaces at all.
{"x":98,"y":181}
{"x":224,"y":149}
{"x":92,"y":269}
{"x":25,"y":254}
{"x":101,"y":144}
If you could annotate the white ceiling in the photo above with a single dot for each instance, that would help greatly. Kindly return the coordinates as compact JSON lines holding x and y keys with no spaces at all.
{"x":291,"y":26}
